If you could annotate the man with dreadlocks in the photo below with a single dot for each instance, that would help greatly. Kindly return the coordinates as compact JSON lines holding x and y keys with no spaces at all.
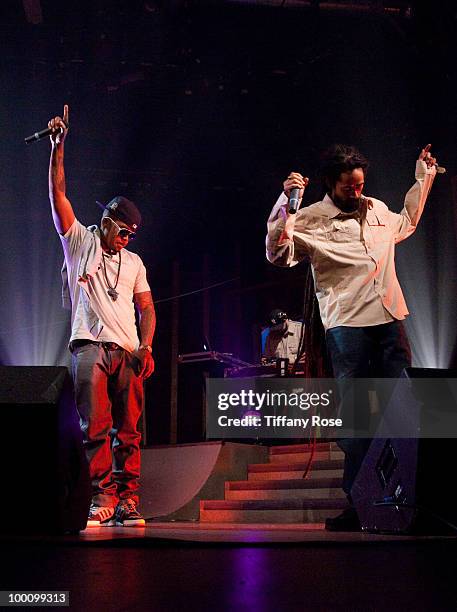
{"x":350,"y":241}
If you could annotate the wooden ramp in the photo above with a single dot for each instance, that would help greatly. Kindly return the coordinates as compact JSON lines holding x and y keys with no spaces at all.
{"x":175,"y":478}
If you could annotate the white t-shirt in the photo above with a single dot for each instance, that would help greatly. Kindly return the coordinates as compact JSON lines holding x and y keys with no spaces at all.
{"x":95,"y":316}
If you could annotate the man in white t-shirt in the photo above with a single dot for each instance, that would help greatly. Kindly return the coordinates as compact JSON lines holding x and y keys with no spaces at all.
{"x":103,"y":283}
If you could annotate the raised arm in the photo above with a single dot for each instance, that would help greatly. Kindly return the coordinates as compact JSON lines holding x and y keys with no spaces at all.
{"x":62,"y":211}
{"x":406,"y":222}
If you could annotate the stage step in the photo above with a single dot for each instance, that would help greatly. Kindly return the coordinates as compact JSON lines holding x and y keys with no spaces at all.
{"x":270,"y":511}
{"x":276,"y":492}
{"x":303,"y":446}
{"x":302,"y":452}
{"x":297,"y":457}
{"x":330,"y":468}
{"x":284,"y":489}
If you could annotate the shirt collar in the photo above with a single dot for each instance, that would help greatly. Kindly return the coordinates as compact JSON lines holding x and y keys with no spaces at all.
{"x":332,"y":211}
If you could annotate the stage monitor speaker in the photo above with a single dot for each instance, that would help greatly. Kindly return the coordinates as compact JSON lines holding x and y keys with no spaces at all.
{"x":405,"y":485}
{"x":45,"y":476}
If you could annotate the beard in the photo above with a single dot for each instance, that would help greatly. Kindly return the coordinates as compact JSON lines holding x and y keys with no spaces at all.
{"x":347,"y":205}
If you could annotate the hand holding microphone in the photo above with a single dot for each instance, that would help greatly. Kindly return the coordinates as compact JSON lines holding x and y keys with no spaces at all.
{"x":57,"y":129}
{"x":294,"y":187}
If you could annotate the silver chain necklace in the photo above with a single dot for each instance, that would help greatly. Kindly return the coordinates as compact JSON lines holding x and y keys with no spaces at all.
{"x":112,"y":290}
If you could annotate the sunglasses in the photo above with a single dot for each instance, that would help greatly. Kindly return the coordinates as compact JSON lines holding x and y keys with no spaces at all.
{"x":123,"y":232}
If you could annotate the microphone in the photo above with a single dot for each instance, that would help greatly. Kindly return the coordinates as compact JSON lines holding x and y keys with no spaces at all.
{"x":294,"y":200}
{"x":39,"y":135}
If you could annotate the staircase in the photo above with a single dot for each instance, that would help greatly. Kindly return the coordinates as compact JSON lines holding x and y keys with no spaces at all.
{"x":276,"y":492}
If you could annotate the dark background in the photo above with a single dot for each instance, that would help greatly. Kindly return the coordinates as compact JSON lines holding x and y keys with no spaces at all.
{"x":197,"y":111}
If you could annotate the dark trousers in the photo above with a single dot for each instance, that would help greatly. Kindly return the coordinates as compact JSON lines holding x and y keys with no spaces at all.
{"x":109,"y":399}
{"x":378,"y":351}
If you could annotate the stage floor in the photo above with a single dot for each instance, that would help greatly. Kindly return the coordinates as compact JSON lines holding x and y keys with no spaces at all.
{"x":230,"y":533}
{"x":206,"y":567}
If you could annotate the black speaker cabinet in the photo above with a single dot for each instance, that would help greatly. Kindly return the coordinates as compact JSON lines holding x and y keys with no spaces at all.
{"x":44,"y":473}
{"x":194,"y":369}
{"x":405,"y":485}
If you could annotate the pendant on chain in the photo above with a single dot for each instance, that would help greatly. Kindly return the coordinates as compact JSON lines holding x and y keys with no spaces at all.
{"x":111,"y":291}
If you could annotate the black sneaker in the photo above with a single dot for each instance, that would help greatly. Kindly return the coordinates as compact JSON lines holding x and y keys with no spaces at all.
{"x":346,"y":521}
{"x":126,"y":515}
{"x":99,"y":516}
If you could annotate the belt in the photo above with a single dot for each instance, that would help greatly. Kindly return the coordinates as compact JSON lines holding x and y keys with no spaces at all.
{"x":109,"y":346}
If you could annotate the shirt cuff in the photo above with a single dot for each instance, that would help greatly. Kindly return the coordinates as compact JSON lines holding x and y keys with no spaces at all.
{"x":422,"y":169}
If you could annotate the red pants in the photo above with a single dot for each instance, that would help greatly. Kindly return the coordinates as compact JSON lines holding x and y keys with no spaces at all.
{"x":109,"y":399}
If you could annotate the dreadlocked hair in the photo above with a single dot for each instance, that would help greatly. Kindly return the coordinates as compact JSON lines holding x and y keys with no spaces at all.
{"x":313,"y":345}
{"x":337,"y":159}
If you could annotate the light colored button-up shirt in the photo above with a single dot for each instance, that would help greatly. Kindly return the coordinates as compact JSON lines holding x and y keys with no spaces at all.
{"x":352,"y":257}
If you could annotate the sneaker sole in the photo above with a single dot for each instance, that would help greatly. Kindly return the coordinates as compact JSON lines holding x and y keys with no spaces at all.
{"x":131,"y":523}
{"x":92,"y":524}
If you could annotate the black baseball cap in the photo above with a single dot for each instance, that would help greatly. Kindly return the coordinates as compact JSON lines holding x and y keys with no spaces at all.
{"x":277,"y":315}
{"x":123,"y":210}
